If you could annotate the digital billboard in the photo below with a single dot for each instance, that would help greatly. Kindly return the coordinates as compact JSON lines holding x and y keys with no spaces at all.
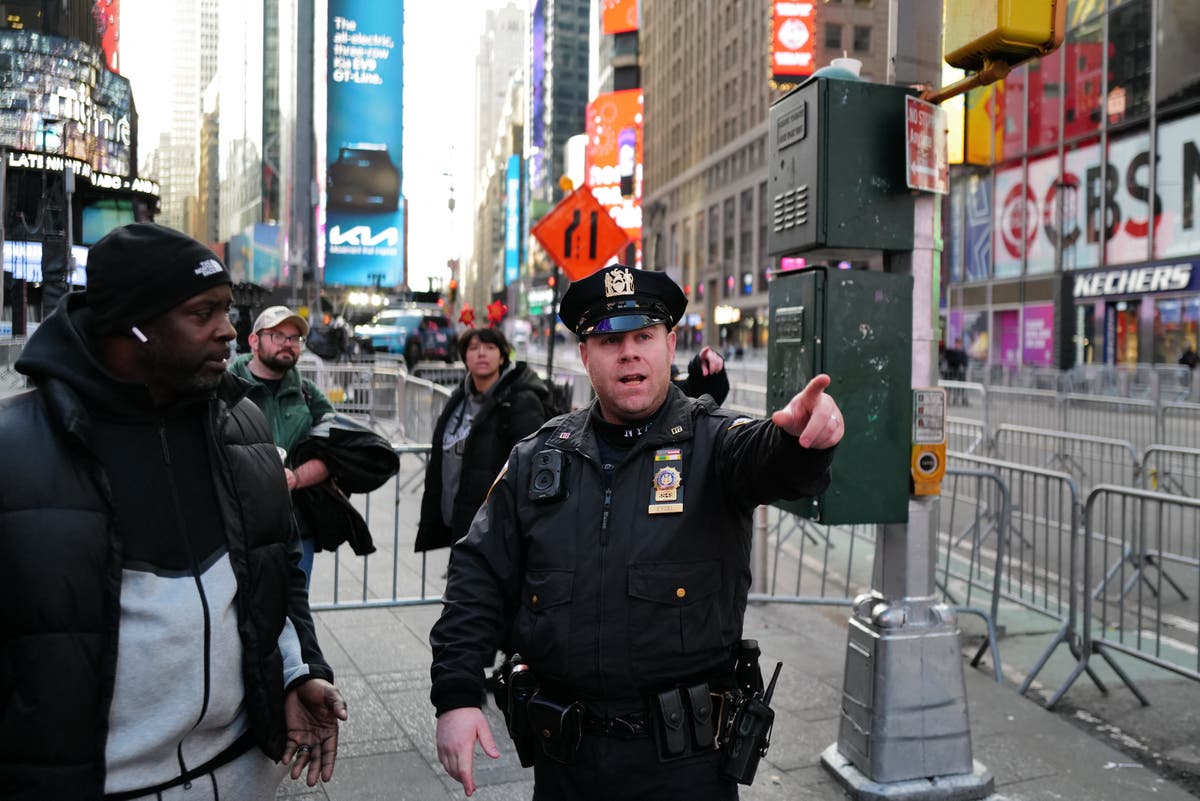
{"x":618,"y":16}
{"x":512,"y":220}
{"x":364,"y":215}
{"x":107,"y":16}
{"x":59,"y":99}
{"x":1039,"y":210}
{"x":614,"y":157}
{"x":792,"y":28}
{"x":536,"y":171}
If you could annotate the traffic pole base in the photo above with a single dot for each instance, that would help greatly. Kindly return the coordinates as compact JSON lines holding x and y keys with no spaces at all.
{"x":957,"y":787}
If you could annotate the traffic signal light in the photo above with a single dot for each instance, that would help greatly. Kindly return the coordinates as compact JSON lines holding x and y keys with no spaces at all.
{"x":978,"y":31}
{"x":453,"y":290}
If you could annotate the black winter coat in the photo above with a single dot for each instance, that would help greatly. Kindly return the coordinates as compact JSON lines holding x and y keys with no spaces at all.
{"x":61,"y":569}
{"x":359,"y":460}
{"x":513,"y":410}
{"x":603,"y":592}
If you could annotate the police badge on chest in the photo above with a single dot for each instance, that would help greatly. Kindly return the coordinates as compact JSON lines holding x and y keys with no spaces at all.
{"x":666,"y":492}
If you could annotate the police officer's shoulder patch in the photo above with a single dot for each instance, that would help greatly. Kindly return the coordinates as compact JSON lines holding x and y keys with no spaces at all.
{"x":741,"y":421}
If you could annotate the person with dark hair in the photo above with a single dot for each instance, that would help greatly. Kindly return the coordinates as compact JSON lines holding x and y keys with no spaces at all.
{"x":160,"y":637}
{"x":498,"y":403}
{"x":1189,"y":357}
{"x":612,"y":553}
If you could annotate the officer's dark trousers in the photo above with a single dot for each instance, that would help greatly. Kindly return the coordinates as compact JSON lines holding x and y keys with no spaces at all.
{"x":609,"y":769}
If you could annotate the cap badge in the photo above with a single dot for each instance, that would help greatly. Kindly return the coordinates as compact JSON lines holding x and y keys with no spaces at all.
{"x":618,"y":282}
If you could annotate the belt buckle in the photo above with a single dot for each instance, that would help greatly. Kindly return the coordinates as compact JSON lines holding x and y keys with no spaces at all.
{"x":624,"y":729}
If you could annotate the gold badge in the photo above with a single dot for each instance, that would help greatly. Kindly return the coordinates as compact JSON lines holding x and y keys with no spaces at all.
{"x":666,"y":484}
{"x":666,"y":490}
{"x":618,"y":282}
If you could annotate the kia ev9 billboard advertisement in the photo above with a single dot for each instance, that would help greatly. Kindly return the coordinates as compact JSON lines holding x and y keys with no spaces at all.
{"x":364,"y":214}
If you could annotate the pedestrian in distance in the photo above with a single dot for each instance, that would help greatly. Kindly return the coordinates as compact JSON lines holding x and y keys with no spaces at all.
{"x":497,"y":404}
{"x":613,"y":555}
{"x":1189,"y":357}
{"x":705,"y":376}
{"x":291,"y":403}
{"x":159,"y":635}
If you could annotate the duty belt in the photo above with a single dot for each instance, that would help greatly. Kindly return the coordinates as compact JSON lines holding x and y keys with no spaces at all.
{"x":629,"y":726}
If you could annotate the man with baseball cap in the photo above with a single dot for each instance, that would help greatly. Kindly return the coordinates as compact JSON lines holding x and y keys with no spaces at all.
{"x":159,"y":636}
{"x":292,"y":403}
{"x":613,"y":554}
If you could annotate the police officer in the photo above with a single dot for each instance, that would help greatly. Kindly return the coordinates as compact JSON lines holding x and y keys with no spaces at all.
{"x":613,"y":554}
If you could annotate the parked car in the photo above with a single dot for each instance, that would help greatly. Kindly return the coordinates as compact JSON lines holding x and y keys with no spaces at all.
{"x":364,"y":178}
{"x":416,"y":333}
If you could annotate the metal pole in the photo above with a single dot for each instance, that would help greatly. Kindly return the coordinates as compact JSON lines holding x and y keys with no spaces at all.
{"x":69,"y":227}
{"x":553,"y":325}
{"x":904,"y":730}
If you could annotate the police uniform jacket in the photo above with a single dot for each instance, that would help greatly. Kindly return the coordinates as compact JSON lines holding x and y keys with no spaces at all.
{"x":605,"y":599}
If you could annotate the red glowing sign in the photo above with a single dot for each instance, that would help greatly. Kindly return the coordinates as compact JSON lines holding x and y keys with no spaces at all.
{"x":792,"y":34}
{"x":107,"y":16}
{"x":613,"y":157}
{"x":618,"y":16}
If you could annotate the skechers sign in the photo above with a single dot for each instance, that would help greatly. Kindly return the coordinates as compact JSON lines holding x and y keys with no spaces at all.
{"x":364,"y":215}
{"x":1135,"y":281}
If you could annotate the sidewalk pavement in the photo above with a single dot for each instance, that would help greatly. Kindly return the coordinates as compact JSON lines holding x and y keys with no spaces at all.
{"x":381,"y":658}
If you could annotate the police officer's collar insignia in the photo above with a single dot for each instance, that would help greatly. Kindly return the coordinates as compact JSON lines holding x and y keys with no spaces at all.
{"x":618,"y":282}
{"x":677,"y":430}
{"x":564,"y":434}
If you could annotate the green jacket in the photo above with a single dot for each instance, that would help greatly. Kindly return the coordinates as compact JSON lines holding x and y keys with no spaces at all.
{"x":293,"y":410}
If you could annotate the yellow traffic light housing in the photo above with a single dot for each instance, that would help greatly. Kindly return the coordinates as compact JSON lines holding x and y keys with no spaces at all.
{"x":978,"y":32}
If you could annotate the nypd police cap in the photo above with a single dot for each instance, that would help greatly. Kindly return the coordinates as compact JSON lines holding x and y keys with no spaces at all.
{"x":618,"y":298}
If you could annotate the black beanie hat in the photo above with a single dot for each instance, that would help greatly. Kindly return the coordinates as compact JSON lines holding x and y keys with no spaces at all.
{"x":138,"y":272}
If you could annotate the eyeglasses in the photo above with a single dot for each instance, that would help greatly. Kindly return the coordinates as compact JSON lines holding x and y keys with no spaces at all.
{"x":279,"y":338}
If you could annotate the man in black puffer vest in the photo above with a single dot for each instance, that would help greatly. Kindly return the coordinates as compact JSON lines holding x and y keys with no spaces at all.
{"x":157,"y":631}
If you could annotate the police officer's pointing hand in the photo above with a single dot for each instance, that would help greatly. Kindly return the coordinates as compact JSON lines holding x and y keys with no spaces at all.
{"x":457,"y":731}
{"x":812,"y":416}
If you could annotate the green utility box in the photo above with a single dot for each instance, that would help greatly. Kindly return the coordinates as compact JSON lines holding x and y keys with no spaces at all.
{"x":837,"y":168}
{"x":855,"y":325}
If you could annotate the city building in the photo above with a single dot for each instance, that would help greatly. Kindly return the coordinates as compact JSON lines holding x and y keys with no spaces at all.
{"x":1055,"y":253}
{"x":707,"y":88}
{"x":68,"y":131}
{"x":500,"y":69}
{"x":557,"y":86}
{"x":255,"y":129}
{"x":498,"y":247}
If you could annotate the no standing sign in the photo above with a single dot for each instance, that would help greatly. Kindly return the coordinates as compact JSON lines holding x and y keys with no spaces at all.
{"x":926,"y":160}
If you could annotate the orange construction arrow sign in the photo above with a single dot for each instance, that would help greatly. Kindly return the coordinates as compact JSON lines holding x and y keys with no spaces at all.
{"x":579,"y":234}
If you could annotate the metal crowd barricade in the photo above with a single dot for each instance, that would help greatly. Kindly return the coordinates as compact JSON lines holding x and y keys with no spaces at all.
{"x":10,"y":351}
{"x":809,"y":563}
{"x":421,"y":403}
{"x":1175,"y":471}
{"x":1041,"y":551}
{"x":1029,"y":407}
{"x":964,"y":435}
{"x":1152,"y":619}
{"x":965,"y":394}
{"x":1180,"y":424}
{"x":1122,"y":418}
{"x":394,"y":575}
{"x":965,"y":570}
{"x":1090,"y":460}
